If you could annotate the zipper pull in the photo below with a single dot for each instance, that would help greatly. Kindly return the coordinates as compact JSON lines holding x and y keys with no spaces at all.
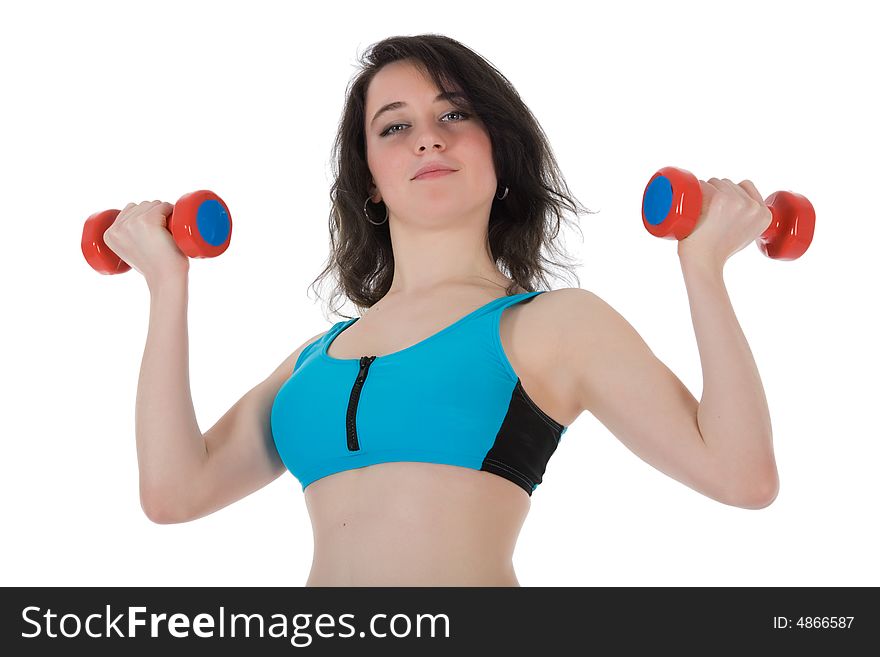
{"x":365,"y":364}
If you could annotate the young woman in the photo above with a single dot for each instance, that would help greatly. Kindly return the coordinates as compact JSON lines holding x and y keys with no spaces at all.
{"x":420,"y":429}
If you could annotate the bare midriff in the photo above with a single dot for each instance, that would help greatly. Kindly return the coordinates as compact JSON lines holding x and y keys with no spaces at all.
{"x":414,"y":524}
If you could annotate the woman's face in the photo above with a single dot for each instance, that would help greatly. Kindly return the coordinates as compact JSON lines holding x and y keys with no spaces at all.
{"x":423,"y":131}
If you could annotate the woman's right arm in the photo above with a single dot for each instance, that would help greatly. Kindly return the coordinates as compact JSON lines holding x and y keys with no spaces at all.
{"x":185,"y":475}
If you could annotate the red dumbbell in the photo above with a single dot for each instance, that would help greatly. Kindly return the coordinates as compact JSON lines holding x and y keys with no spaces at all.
{"x":200,"y":224}
{"x":673,"y":200}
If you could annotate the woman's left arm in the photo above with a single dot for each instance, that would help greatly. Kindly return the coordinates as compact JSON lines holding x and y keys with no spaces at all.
{"x":721,"y":446}
{"x":733,"y":416}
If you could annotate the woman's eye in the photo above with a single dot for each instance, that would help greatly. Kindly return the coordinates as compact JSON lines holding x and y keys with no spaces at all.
{"x":390,"y":129}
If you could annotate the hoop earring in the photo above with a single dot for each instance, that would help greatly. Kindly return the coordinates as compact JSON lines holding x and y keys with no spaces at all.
{"x":368,"y":216}
{"x":501,"y":198}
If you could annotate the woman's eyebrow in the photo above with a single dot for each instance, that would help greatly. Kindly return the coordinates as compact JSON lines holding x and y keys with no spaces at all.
{"x":446,"y":95}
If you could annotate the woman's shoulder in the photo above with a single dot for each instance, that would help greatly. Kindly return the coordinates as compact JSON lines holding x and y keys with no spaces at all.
{"x":533,"y":337}
{"x":547,"y":317}
{"x":558,"y":299}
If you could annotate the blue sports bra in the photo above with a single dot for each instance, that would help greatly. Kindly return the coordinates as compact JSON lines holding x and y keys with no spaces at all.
{"x":452,"y":398}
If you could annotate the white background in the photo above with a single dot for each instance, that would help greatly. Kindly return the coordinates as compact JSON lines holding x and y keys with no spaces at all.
{"x":105,"y":103}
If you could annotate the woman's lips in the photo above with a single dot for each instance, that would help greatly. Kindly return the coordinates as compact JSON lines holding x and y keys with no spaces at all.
{"x":433,"y":174}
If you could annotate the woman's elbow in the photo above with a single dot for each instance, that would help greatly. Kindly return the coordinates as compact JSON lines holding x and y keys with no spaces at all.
{"x":159,"y":514}
{"x":758,"y":495}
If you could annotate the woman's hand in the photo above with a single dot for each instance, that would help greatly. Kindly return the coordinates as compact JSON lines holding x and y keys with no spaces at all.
{"x":731,"y":218}
{"x":140,"y":237}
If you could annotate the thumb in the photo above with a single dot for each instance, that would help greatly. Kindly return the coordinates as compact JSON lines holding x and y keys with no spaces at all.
{"x":165,"y":209}
{"x":161,"y":217}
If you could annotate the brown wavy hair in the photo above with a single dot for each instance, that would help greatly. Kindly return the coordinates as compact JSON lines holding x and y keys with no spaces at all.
{"x":361,"y":257}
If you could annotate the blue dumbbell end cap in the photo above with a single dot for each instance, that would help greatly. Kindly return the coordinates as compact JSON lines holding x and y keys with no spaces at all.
{"x":213,"y":222}
{"x":658,"y":200}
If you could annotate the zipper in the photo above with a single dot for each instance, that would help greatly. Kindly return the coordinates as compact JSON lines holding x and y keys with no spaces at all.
{"x":350,"y":426}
